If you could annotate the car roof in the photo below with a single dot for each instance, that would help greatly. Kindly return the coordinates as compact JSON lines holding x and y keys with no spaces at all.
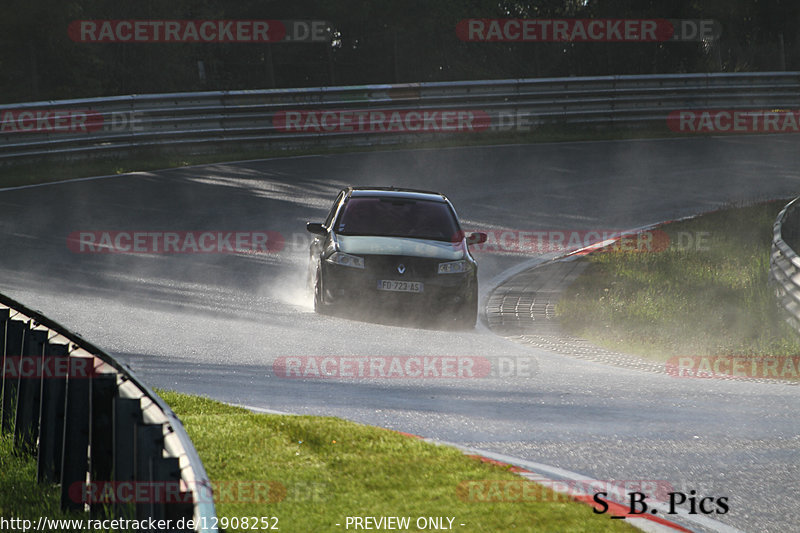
{"x":394,"y":192}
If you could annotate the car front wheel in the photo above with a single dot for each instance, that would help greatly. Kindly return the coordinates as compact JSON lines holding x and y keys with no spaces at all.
{"x":467,"y":315}
{"x":320,"y":306}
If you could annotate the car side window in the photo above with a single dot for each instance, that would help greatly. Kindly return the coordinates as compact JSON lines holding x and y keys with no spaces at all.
{"x":329,"y":220}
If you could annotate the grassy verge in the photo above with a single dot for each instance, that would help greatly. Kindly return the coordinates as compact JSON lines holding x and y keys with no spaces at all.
{"x":21,"y":496}
{"x":27,"y":173}
{"x":327,"y":469}
{"x":307,"y":473}
{"x":707,"y":293}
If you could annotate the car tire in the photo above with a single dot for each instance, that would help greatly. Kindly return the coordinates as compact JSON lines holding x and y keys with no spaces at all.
{"x":320,"y":306}
{"x":468,"y":314}
{"x":468,"y":317}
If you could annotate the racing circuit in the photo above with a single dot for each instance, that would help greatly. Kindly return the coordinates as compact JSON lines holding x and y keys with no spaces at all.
{"x":213,"y":324}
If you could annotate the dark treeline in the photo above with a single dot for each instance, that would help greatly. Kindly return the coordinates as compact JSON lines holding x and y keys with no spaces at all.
{"x":374,"y":41}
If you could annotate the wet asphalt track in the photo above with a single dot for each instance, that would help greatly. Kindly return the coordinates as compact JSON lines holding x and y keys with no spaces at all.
{"x":213,"y":324}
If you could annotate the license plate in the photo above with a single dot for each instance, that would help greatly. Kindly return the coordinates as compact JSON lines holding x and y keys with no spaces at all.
{"x":399,"y":286}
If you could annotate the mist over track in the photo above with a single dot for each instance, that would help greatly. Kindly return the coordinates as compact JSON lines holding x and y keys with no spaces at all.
{"x":212,"y":324}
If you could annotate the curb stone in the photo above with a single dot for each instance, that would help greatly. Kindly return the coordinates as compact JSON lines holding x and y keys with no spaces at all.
{"x":522,"y":309}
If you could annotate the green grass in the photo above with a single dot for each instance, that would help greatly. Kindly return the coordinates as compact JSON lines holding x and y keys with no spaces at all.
{"x":42,"y":171}
{"x":715,"y":300}
{"x":321,"y":470}
{"x":20,"y":495}
{"x":327,"y":469}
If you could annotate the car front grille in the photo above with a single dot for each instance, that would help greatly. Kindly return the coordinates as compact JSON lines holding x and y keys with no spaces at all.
{"x":416,"y":268}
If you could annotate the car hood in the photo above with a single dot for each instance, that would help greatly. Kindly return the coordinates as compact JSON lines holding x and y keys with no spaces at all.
{"x":368,"y":245}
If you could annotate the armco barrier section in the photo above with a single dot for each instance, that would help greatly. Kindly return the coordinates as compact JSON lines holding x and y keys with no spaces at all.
{"x":205,"y":121}
{"x":784,"y":264}
{"x":95,"y":428}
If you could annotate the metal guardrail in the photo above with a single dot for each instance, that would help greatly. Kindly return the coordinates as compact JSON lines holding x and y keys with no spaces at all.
{"x":95,"y":428}
{"x":784,"y":264}
{"x":205,"y":121}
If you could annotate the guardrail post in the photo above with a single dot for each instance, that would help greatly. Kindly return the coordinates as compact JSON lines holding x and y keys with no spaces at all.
{"x":75,"y":459}
{"x":165,"y":473}
{"x":5,"y":314}
{"x":29,"y":386}
{"x":15,"y":336}
{"x":182,"y":503}
{"x":101,"y":438}
{"x":148,"y":444}
{"x":184,"y":508}
{"x":127,"y":415}
{"x":51,"y":415}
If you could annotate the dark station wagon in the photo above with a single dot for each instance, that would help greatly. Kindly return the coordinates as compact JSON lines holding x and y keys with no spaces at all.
{"x":394,"y":250}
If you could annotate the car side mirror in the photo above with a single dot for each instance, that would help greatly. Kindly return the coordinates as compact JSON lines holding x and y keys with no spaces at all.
{"x":476,"y":238}
{"x":316,"y":228}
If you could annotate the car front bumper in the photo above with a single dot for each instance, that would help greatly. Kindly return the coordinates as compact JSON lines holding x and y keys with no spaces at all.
{"x":359,"y":288}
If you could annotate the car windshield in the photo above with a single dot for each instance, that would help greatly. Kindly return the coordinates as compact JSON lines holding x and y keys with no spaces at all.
{"x":398,"y":217}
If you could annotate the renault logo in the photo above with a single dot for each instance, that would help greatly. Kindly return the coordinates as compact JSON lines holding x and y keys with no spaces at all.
{"x":401,"y":268}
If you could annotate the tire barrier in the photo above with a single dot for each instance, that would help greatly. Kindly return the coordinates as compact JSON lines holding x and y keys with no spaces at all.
{"x":784,"y":264}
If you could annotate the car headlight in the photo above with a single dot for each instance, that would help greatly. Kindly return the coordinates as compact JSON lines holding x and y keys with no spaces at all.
{"x":454,"y":267}
{"x":343,"y":259}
